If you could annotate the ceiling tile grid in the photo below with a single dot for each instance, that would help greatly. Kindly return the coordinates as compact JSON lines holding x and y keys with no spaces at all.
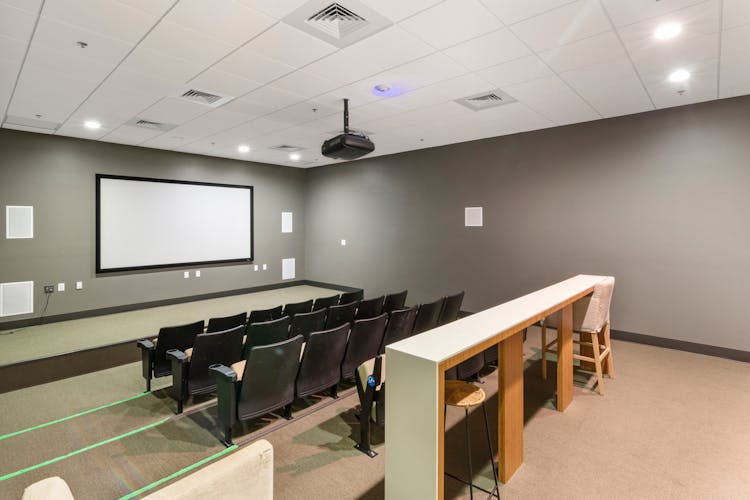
{"x":561,"y":61}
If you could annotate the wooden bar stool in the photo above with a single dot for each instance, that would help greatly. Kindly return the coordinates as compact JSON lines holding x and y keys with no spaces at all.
{"x":465,"y":395}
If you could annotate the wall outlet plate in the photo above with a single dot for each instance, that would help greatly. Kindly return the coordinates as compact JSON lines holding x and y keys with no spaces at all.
{"x":186,"y":274}
{"x":197,"y":274}
{"x":79,"y":285}
{"x":61,"y":287}
{"x":49,"y":288}
{"x":343,"y":243}
{"x":265,"y":267}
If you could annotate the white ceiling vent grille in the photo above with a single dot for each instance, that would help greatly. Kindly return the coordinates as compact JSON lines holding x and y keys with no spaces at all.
{"x":204,"y":97}
{"x":486,"y":100}
{"x":150,"y":125}
{"x":287,"y":148}
{"x":339,"y":23}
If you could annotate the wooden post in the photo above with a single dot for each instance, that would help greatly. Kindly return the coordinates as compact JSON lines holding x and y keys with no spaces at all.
{"x":565,"y":358}
{"x":510,"y":405}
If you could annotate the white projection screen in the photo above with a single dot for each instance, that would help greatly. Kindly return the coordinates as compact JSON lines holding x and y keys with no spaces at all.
{"x":153,"y":223}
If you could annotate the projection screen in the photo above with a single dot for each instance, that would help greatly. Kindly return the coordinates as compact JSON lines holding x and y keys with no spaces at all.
{"x":154,"y":223}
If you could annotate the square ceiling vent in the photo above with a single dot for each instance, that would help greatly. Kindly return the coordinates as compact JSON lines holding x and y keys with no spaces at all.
{"x":204,"y":97}
{"x":486,"y":100}
{"x":340,"y":23}
{"x":150,"y":125}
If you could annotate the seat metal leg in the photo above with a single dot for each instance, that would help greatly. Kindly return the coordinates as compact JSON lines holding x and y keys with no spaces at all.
{"x":489,"y":445}
{"x":468,"y":453}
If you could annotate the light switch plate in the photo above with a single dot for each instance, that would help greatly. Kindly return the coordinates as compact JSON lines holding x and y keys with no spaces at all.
{"x":255,"y":267}
{"x":79,"y":285}
{"x":343,"y":243}
{"x":61,"y":287}
{"x":197,"y":274}
{"x":265,"y":267}
{"x":186,"y":274}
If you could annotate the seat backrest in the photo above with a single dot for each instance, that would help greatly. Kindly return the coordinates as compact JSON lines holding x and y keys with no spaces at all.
{"x":394,"y":301}
{"x":224,"y":348}
{"x":323,"y":302}
{"x":306,"y":323}
{"x":591,"y":313}
{"x":348,"y":297}
{"x":400,"y":325}
{"x":267,"y":332}
{"x":268,"y":380}
{"x":451,"y":308}
{"x":226,"y":323}
{"x":338,"y":315}
{"x":260,"y":315}
{"x":364,"y":342}
{"x":179,"y":337}
{"x":297,"y":307}
{"x":370,"y":308}
{"x":320,"y":368}
{"x":428,"y":316}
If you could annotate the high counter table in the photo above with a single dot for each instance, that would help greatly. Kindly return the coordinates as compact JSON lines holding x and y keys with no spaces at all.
{"x":414,"y":430}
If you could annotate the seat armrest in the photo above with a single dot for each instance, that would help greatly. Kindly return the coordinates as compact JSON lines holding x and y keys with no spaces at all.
{"x":226,"y":395}
{"x":177,"y":355}
{"x":223,"y":373}
{"x":145,"y":344}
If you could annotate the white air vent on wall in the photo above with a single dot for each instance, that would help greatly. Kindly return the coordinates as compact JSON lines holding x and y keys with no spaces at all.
{"x":339,"y":23}
{"x":486,"y":100}
{"x":204,"y":97}
{"x":16,"y":298}
{"x":150,"y":125}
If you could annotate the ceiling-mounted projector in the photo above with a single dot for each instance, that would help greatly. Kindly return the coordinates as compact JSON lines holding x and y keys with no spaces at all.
{"x":347,"y":146}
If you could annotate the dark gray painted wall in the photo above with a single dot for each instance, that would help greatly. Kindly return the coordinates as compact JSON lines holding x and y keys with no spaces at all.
{"x":659,"y":200}
{"x":56,"y":176}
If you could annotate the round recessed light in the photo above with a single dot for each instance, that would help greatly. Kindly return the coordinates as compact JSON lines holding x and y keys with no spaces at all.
{"x":667,"y":30}
{"x":679,"y":75}
{"x":92,"y":124}
{"x":294,"y":156}
{"x":387,"y":90}
{"x":243,"y":148}
{"x":382,"y":88}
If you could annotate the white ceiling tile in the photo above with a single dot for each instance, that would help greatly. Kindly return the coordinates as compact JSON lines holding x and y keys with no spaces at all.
{"x":174,"y":110}
{"x":289,"y":45}
{"x":488,"y":50}
{"x":12,"y":51}
{"x":75,"y":128}
{"x":213,"y":122}
{"x":154,"y":64}
{"x":130,"y":135}
{"x":106,"y":17}
{"x":736,"y":13}
{"x":274,"y":8}
{"x":28,"y":5}
{"x":253,"y":66}
{"x":735,"y":54}
{"x":513,"y":11}
{"x":701,"y":86}
{"x":663,"y":59}
{"x":552,"y":98}
{"x":304,"y":84}
{"x":16,"y":23}
{"x":451,"y":22}
{"x":396,"y":10}
{"x":271,"y":96}
{"x":155,"y":7}
{"x":563,"y":25}
{"x":517,"y":71}
{"x":178,"y":41}
{"x":386,"y":49}
{"x":612,"y":88}
{"x":303,"y":112}
{"x":55,"y":102}
{"x":448,"y":90}
{"x":28,"y":129}
{"x":223,"y":83}
{"x":251,"y":108}
{"x":112,"y":106}
{"x":225,"y":20}
{"x":632,"y":11}
{"x":587,"y":52}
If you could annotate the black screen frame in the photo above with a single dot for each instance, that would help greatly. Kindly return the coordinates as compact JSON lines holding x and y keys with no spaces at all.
{"x":99,"y":269}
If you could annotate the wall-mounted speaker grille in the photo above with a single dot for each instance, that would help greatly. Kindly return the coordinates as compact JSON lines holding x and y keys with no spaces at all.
{"x":16,"y":298}
{"x":19,"y":222}
{"x":473,"y":217}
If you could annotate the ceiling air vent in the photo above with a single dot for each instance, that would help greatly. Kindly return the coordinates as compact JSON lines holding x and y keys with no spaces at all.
{"x":486,"y":100}
{"x":150,"y":125}
{"x":204,"y":97}
{"x":339,"y":23}
{"x":287,"y":148}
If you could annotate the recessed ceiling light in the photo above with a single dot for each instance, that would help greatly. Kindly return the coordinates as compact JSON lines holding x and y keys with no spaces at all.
{"x":382,"y":88}
{"x":294,"y":156}
{"x":243,"y":148}
{"x":387,"y":90}
{"x":679,"y":75}
{"x":92,"y":124}
{"x":667,"y":30}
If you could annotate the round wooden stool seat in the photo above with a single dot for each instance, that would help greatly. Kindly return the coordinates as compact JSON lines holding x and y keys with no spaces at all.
{"x":463,"y":394}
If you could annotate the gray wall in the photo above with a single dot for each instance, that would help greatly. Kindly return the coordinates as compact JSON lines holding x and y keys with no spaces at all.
{"x":659,"y":200}
{"x":56,"y":176}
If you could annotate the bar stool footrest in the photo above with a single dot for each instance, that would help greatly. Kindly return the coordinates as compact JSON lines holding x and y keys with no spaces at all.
{"x":495,"y":493}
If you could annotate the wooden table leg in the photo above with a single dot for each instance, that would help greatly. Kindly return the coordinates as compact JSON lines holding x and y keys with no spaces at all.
{"x":510,"y":406}
{"x":565,"y":358}
{"x":441,"y":436}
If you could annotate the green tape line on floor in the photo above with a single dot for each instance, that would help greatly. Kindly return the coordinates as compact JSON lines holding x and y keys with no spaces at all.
{"x":40,"y":426}
{"x":178,"y":473}
{"x":82,"y":450}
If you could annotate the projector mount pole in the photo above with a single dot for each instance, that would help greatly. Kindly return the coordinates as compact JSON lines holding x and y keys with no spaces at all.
{"x":346,"y":116}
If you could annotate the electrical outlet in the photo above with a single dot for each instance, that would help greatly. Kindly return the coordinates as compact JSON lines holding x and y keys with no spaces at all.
{"x":49,"y":288}
{"x":265,"y":267}
{"x":186,"y":274}
{"x":255,"y":267}
{"x":343,"y":243}
{"x":197,"y":274}
{"x":61,"y":287}
{"x":79,"y":285}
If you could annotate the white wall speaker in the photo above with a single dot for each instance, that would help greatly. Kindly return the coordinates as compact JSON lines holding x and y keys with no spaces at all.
{"x":473,"y":217}
{"x":16,"y":298}
{"x":19,"y":222}
{"x":287,"y":269}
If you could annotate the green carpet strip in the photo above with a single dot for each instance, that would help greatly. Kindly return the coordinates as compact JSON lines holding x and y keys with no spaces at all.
{"x":82,"y":450}
{"x":40,"y":426}
{"x":178,"y":473}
